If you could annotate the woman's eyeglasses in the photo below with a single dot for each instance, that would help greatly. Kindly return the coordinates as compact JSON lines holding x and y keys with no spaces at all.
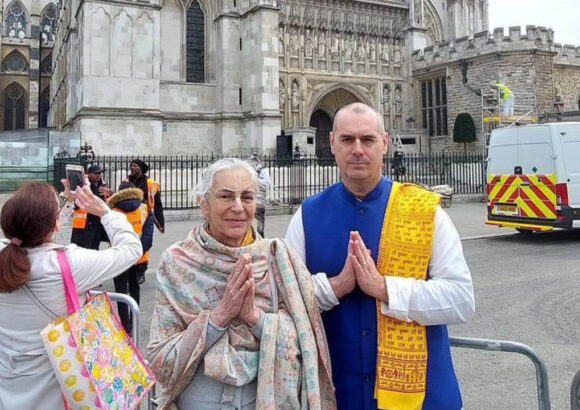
{"x":229,"y":197}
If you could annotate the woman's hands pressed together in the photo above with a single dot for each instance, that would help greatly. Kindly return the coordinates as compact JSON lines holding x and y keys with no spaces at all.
{"x":249,"y":312}
{"x":238,"y":299}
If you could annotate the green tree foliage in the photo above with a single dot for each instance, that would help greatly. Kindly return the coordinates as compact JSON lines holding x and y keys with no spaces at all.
{"x":464,"y":129}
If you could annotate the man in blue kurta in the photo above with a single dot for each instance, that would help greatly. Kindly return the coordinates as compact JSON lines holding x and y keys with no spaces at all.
{"x":338,"y":232}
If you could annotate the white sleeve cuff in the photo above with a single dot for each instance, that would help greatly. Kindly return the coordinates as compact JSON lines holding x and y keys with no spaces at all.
{"x":325,"y":297}
{"x":399,"y":291}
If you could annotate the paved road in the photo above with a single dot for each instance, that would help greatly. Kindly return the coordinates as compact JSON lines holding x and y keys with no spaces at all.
{"x":526,"y":291}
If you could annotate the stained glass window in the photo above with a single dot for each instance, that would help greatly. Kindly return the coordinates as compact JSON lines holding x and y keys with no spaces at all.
{"x":15,"y":63}
{"x":16,"y":20}
{"x":46,"y":65}
{"x":48,"y":23}
{"x":434,"y":106}
{"x":14,"y":107}
{"x":195,"y":44}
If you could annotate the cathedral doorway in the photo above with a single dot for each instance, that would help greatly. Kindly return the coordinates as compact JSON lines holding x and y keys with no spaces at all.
{"x":323,"y":124}
{"x":323,"y":115}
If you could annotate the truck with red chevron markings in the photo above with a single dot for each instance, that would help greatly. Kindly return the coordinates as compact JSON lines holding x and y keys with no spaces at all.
{"x":533,"y":177}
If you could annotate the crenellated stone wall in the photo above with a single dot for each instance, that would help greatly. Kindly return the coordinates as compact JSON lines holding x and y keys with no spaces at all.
{"x":531,"y":65}
{"x":538,"y":38}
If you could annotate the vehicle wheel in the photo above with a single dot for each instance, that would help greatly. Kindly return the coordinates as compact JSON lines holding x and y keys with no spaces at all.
{"x":526,"y":232}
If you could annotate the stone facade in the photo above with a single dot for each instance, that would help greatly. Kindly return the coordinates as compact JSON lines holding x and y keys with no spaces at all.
{"x":25,"y":51}
{"x":330,"y":55}
{"x":122,"y":77}
{"x":123,"y":74}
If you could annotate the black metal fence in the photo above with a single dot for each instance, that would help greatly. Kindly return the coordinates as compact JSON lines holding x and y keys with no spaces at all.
{"x":292,"y":179}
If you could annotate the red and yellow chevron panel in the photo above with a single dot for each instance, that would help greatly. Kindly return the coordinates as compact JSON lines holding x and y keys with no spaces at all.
{"x":530,"y":196}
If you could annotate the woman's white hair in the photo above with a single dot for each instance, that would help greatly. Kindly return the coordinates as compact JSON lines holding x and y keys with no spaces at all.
{"x":202,"y":189}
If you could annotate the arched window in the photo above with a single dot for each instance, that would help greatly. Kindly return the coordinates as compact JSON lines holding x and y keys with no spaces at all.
{"x":14,"y":107}
{"x":46,"y":65}
{"x":195,"y":43}
{"x":48,"y":23}
{"x":44,"y":106}
{"x":14,"y":63}
{"x":16,"y":20}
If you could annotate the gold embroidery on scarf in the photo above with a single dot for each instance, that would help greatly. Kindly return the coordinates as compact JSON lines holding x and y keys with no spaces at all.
{"x":404,"y":251}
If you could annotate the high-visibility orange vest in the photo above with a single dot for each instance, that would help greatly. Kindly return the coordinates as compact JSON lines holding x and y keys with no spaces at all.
{"x":152,"y":189}
{"x":79,"y":219}
{"x":137,"y":219}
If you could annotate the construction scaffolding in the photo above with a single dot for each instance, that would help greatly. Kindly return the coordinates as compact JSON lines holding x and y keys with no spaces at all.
{"x":492,"y":117}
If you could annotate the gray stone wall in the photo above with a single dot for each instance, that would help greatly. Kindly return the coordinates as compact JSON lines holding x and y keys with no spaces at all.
{"x":122,"y":135}
{"x":191,"y":137}
{"x":567,"y":83}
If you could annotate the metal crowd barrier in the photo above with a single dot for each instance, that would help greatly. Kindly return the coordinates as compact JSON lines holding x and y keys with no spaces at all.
{"x":462,"y":342}
{"x":507,"y":346}
{"x":135,"y":311}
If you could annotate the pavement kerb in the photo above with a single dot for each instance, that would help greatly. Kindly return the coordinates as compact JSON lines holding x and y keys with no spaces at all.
{"x":175,"y":215}
{"x":487,"y":236}
{"x":476,"y":198}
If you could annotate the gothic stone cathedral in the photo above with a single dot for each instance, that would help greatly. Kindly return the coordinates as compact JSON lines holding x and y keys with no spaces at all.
{"x":228,"y":76}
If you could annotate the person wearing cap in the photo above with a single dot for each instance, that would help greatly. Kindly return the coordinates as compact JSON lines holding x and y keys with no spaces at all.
{"x":88,"y":232}
{"x":151,"y":196}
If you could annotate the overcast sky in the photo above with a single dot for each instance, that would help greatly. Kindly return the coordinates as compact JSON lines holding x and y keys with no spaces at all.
{"x":560,"y":15}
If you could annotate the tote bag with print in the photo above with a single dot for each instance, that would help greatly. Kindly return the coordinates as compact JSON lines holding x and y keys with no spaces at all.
{"x":95,"y":361}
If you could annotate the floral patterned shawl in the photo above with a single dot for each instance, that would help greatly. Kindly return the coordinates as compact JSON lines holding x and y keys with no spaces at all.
{"x":291,"y":360}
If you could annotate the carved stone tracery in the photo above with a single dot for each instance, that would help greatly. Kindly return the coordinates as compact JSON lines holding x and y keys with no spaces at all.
{"x":365,"y":19}
{"x":433,"y":24}
{"x":336,"y":38}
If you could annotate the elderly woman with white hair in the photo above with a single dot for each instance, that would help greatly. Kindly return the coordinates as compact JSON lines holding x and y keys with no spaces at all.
{"x":236,"y":323}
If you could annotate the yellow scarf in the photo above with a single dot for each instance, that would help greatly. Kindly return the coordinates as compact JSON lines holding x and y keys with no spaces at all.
{"x":249,"y":238}
{"x":404,"y":251}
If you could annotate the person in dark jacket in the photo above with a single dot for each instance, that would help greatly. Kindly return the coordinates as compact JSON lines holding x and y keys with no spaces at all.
{"x":151,"y":195}
{"x":129,"y":201}
{"x":88,"y":232}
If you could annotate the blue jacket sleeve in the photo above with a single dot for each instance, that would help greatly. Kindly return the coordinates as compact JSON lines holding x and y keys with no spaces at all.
{"x":147,"y":235}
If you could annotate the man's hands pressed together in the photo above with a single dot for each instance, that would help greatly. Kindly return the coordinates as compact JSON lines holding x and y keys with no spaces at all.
{"x":359,"y":268}
{"x":368,"y":277}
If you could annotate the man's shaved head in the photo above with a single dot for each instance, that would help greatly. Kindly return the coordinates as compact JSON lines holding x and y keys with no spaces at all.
{"x":359,"y":108}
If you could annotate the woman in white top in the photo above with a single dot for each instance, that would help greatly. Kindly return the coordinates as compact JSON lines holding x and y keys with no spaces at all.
{"x":31,"y":287}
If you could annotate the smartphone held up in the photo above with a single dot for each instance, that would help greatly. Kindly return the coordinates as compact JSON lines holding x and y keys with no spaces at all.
{"x":75,"y":175}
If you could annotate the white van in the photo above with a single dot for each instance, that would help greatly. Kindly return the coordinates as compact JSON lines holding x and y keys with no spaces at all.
{"x":533,"y":177}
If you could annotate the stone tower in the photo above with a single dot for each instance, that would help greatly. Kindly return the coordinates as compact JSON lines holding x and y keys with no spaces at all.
{"x":169,"y":76}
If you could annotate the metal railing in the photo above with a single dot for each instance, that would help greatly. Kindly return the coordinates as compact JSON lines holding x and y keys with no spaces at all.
{"x":461,"y":342}
{"x":293,"y":179}
{"x":514,"y":347}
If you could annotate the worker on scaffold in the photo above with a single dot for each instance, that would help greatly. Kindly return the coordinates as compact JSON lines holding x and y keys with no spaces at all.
{"x":506,"y":97}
